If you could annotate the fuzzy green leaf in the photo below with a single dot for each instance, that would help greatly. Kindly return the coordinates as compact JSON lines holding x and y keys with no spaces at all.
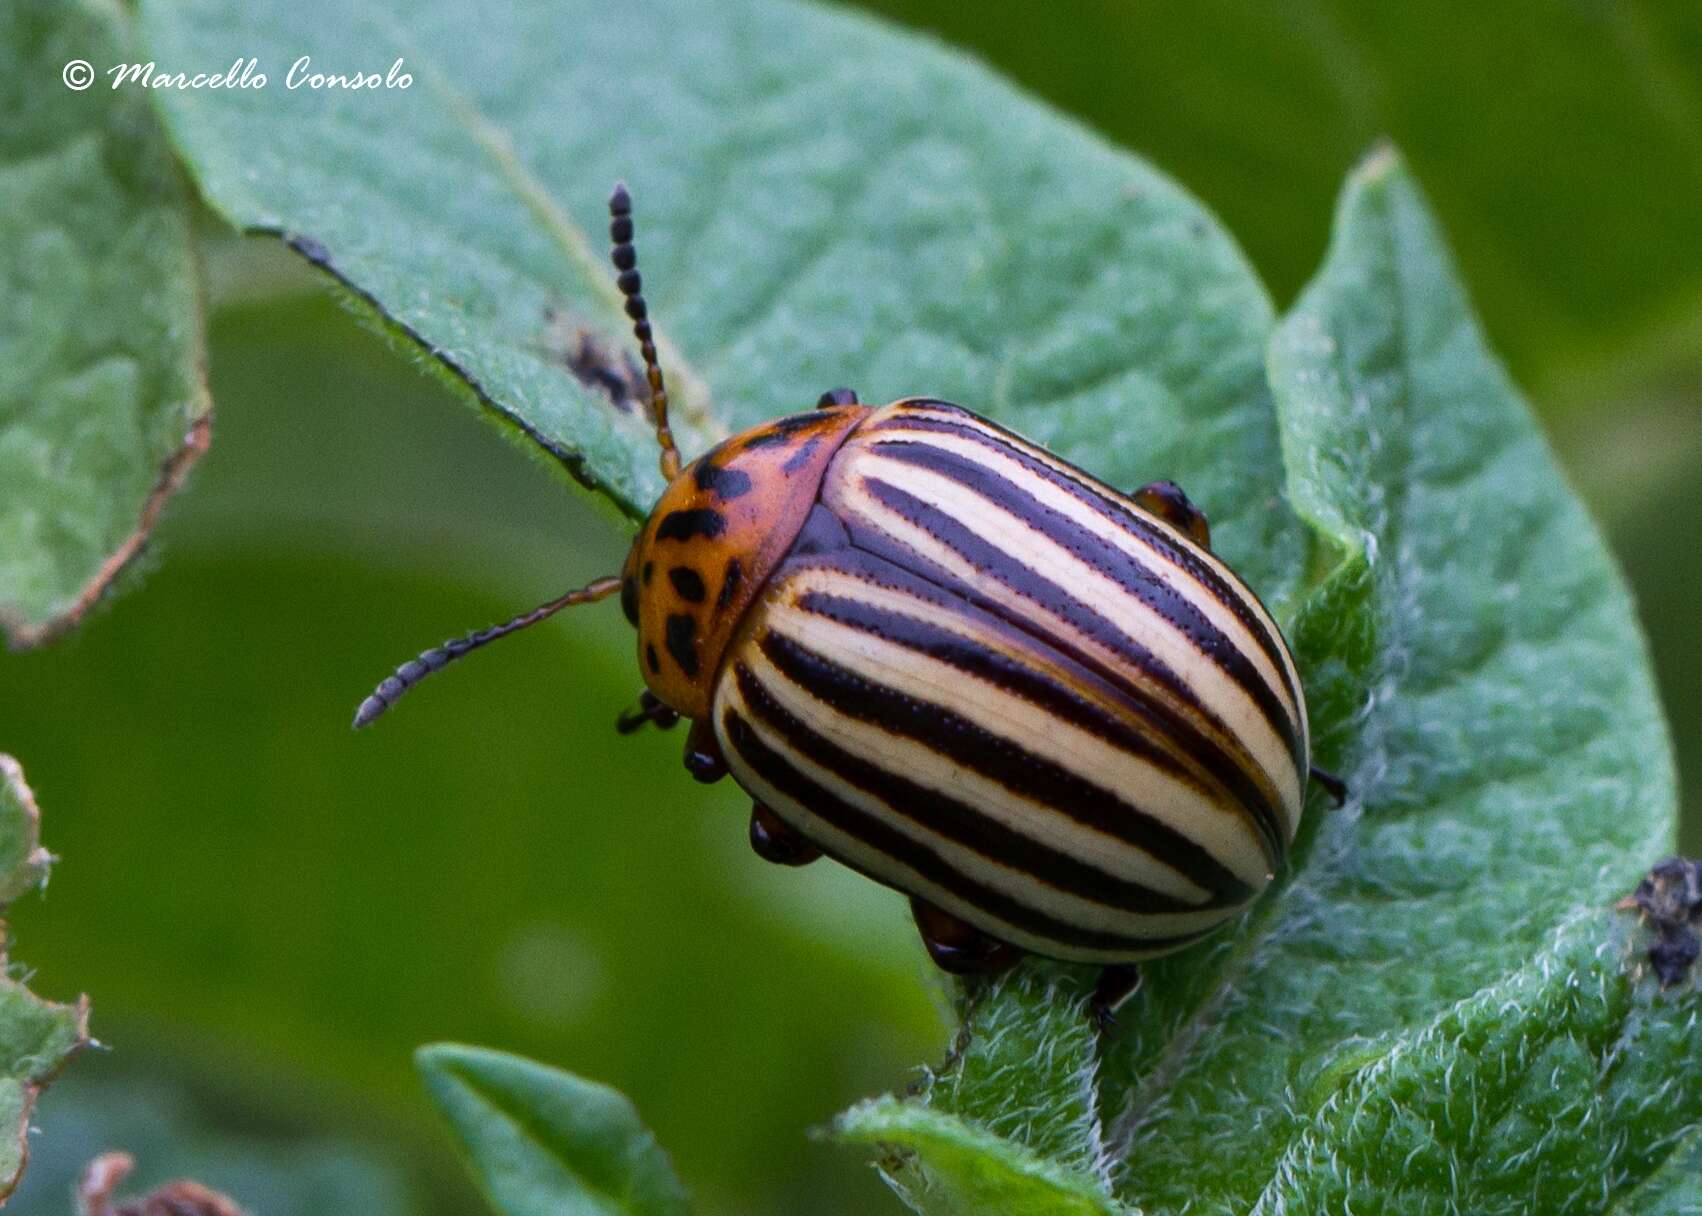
{"x":944,"y":1165}
{"x":546,"y":1143}
{"x":1556,"y":1089}
{"x":1015,"y":1111}
{"x":103,"y":405}
{"x":36,"y":1036}
{"x":1675,"y":1188}
{"x":819,"y":202}
{"x":1475,"y":667}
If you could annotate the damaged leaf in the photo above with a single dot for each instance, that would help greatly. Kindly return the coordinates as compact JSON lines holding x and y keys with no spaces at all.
{"x":184,"y":1197}
{"x":103,"y":400}
{"x":36,"y":1036}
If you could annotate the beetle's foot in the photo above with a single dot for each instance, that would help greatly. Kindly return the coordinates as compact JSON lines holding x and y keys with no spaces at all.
{"x":650,"y":709}
{"x":958,"y":947}
{"x":1116,"y":985}
{"x":836,"y":396}
{"x":1333,"y":785}
{"x":778,"y":841}
{"x":1166,"y":500}
{"x":703,"y":753}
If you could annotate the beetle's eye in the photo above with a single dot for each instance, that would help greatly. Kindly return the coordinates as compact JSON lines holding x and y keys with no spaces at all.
{"x":629,"y":599}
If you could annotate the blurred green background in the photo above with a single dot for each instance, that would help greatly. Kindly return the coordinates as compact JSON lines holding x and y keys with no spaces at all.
{"x":271,"y":912}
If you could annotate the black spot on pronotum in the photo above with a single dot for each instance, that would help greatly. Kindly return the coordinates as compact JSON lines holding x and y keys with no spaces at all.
{"x":722,"y":482}
{"x":650,"y":658}
{"x":730,"y":581}
{"x":629,"y":599}
{"x":1670,"y":899}
{"x":688,"y":583}
{"x":802,"y":456}
{"x":693,"y":521}
{"x":649,"y":569}
{"x":682,"y":642}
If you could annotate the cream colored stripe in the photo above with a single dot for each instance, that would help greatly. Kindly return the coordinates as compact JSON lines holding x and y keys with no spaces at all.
{"x":884,"y":869}
{"x":1019,"y":885}
{"x":921,"y":764}
{"x":1224,"y":832}
{"x":1109,"y":492}
{"x":1083,"y":514}
{"x":1241,"y":717}
{"x":1287,"y":779}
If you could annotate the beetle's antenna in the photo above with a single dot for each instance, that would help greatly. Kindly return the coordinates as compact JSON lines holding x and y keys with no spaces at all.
{"x":435,"y":659}
{"x":625,"y":258}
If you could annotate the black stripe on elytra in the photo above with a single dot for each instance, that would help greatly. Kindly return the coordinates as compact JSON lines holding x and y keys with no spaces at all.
{"x":887,"y":562}
{"x":1109,"y":504}
{"x":1139,"y":580}
{"x":998,"y":564}
{"x":680,"y":637}
{"x":1030,"y":683}
{"x":940,"y":814}
{"x":721,"y":481}
{"x":688,"y":584}
{"x":691,"y":521}
{"x":774,"y":770}
{"x":1023,"y":772}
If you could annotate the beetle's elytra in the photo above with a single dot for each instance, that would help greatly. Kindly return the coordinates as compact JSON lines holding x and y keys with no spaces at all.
{"x":935,"y":652}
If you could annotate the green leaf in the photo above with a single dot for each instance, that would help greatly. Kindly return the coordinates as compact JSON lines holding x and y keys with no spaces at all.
{"x":36,"y":1036}
{"x":1475,"y":670}
{"x":103,"y":402}
{"x":946,"y":1166}
{"x":1553,"y":1090}
{"x":1023,"y":1130}
{"x":1589,"y":282}
{"x":1674,"y":1189}
{"x":547,"y":1143}
{"x":819,"y":202}
{"x":1474,"y":666}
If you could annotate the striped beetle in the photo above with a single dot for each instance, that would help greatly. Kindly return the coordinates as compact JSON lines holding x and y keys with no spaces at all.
{"x":936,"y":653}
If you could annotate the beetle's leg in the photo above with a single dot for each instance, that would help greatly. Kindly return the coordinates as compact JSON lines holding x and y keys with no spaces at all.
{"x":703,"y":753}
{"x":836,"y":396}
{"x":1333,"y":785}
{"x":1117,"y":983}
{"x":650,"y":709}
{"x":1166,"y":500}
{"x":777,"y":841}
{"x":958,"y":946}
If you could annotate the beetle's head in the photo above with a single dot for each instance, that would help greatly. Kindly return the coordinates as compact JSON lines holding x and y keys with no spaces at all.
{"x":713,"y":539}
{"x":710,"y":543}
